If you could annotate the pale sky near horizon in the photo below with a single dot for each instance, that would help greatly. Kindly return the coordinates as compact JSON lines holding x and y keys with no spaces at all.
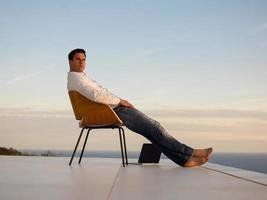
{"x":176,"y":60}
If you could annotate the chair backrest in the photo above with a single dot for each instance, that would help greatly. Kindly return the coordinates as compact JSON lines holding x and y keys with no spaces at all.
{"x":91,"y":113}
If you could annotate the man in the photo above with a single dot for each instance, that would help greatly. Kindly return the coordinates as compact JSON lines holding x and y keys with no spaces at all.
{"x":132,"y":118}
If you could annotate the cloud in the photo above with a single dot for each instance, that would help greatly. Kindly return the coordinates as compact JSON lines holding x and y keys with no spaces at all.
{"x":263,"y":44}
{"x":152,"y":51}
{"x":40,"y":129}
{"x":236,"y":128}
{"x":25,"y":112}
{"x":260,"y":32}
{"x":261,"y":28}
{"x":27,"y":76}
{"x":202,"y":113}
{"x":161,"y":113}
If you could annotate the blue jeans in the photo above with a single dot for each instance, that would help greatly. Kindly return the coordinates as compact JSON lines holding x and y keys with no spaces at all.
{"x":138,"y":122}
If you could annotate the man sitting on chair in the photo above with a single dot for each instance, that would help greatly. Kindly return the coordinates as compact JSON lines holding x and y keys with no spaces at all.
{"x":132,"y":118}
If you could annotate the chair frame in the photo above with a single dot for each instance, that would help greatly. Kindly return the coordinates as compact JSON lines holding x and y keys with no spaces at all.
{"x":89,"y":128}
{"x":93,"y":115}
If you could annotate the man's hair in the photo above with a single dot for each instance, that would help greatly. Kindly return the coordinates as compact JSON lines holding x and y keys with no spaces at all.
{"x":73,"y":52}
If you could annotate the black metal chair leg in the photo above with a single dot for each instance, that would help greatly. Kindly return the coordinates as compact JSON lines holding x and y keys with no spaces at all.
{"x":125,"y":149}
{"x":76,"y":146}
{"x":85,"y":141}
{"x":122,"y":156}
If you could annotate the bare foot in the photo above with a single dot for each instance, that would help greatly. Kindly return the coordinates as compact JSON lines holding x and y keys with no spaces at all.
{"x":195,"y":161}
{"x":202,"y":152}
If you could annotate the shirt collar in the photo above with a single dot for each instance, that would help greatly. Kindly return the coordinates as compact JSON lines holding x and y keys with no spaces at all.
{"x":78,"y":73}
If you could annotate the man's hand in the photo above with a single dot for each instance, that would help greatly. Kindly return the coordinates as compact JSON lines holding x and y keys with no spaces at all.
{"x":125,"y":103}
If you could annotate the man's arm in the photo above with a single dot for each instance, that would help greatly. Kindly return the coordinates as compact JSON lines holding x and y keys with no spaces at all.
{"x":125,"y":103}
{"x":91,"y":90}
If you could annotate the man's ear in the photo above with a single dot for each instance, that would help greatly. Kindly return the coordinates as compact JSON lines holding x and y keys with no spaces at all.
{"x":70,"y":63}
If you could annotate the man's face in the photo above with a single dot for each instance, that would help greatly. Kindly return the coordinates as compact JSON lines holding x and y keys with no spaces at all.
{"x":77,"y":64}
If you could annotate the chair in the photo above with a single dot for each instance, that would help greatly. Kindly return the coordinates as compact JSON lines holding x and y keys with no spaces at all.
{"x":94,"y":115}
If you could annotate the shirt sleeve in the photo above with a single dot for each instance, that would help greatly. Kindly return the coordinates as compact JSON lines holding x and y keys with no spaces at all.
{"x":97,"y":93}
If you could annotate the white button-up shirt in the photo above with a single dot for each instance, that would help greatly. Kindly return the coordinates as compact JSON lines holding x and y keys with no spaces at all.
{"x":78,"y":81}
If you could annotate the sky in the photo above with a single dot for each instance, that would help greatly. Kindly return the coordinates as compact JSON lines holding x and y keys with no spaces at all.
{"x":198,"y":67}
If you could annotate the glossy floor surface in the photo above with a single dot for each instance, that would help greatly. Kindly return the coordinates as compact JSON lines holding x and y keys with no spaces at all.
{"x":51,"y":178}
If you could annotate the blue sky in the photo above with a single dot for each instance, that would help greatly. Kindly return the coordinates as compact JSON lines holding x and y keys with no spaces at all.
{"x":162,"y":56}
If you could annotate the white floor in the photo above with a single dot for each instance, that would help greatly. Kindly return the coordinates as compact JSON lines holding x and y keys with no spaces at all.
{"x":98,"y":178}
